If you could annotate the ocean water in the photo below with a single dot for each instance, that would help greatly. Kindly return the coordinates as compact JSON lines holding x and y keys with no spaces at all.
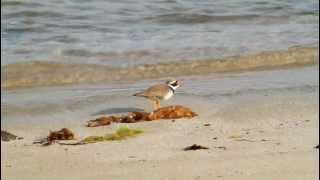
{"x":127,"y":32}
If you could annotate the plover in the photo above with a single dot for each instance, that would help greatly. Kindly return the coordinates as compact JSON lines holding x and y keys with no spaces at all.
{"x":159,"y":92}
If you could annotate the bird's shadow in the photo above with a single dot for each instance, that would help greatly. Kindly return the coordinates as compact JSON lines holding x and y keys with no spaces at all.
{"x":117,"y":111}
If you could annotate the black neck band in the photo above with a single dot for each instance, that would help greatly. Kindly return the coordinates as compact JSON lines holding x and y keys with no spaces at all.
{"x":171,"y":89}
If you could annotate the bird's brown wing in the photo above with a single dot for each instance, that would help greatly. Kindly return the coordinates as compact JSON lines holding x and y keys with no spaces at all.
{"x":155,"y":91}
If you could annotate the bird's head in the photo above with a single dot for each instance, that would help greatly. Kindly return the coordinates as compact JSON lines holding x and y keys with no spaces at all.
{"x":174,"y":83}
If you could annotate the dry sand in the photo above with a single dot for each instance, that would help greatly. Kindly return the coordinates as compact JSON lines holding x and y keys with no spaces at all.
{"x":267,"y":135}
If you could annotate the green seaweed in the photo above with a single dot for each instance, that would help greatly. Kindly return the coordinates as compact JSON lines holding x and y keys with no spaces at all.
{"x":121,"y":134}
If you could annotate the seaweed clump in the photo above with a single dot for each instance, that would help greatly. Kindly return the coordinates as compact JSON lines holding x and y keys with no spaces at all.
{"x":121,"y":134}
{"x":54,"y":136}
{"x":169,"y":112}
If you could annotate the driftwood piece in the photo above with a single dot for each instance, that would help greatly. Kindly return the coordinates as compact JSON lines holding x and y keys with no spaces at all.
{"x":169,"y":112}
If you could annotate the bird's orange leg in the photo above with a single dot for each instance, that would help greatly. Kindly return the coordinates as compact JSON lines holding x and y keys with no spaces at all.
{"x":158,"y":104}
{"x":155,"y":103}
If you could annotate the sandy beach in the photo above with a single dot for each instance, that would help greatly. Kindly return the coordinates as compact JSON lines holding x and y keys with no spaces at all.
{"x":249,"y":70}
{"x":256,"y":126}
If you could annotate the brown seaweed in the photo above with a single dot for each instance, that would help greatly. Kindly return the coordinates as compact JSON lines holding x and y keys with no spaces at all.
{"x":63,"y":134}
{"x":169,"y":112}
{"x":103,"y":121}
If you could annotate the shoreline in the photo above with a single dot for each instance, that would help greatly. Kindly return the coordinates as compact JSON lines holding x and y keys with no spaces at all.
{"x":51,"y":103}
{"x":46,"y":74}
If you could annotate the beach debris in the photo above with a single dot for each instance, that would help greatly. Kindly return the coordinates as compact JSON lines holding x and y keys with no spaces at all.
{"x":103,"y":121}
{"x":240,"y":138}
{"x":172,"y":112}
{"x":221,"y":147}
{"x":194,"y":147}
{"x":264,"y":140}
{"x":6,"y":136}
{"x":317,"y":147}
{"x":235,"y":136}
{"x":71,"y":143}
{"x":207,"y":124}
{"x":136,"y":117}
{"x":63,"y":134}
{"x":169,"y":112}
{"x":243,"y":139}
{"x":120,"y":134}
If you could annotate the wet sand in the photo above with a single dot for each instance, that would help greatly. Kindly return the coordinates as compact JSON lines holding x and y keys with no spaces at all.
{"x":262,"y":130}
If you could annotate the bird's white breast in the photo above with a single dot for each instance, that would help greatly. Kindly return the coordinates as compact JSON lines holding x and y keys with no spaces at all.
{"x":168,"y":95}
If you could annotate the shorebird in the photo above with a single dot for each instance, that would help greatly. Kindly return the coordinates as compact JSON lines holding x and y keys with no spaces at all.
{"x":159,"y":92}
